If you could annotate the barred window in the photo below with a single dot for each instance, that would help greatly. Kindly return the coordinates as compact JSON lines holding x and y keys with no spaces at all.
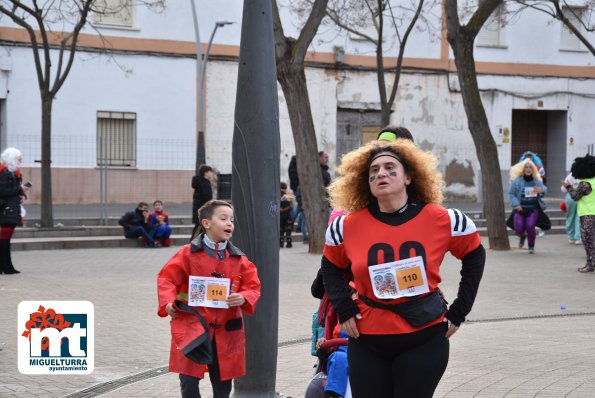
{"x":116,"y":139}
{"x":113,"y":12}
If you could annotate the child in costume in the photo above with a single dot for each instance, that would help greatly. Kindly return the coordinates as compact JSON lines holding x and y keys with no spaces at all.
{"x":232,"y":285}
{"x":158,"y":222}
{"x":584,"y":170}
{"x":285,"y":213}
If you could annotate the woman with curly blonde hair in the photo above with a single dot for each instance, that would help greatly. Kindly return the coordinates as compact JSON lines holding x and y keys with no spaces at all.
{"x":394,"y":237}
{"x":525,"y":193}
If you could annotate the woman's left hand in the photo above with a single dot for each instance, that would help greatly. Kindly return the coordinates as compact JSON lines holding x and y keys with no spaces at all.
{"x":235,"y":300}
{"x":452,"y":329}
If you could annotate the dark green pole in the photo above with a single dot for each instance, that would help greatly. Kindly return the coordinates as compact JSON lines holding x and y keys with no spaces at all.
{"x":255,"y":191}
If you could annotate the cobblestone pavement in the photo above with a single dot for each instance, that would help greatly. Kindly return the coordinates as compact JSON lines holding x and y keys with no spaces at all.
{"x":530,"y":333}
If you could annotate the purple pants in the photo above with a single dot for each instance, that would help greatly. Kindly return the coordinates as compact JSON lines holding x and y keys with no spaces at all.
{"x":525,"y":225}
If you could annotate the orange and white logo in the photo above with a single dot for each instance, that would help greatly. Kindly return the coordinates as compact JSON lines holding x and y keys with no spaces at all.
{"x":56,"y":337}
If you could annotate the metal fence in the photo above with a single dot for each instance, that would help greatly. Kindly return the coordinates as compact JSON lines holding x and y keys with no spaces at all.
{"x":164,"y":169}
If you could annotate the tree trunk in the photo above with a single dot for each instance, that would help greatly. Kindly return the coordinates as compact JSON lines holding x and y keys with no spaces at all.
{"x":485,"y":145}
{"x":47,"y":216}
{"x":295,"y":90}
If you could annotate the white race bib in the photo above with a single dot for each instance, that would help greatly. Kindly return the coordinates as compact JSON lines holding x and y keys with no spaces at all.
{"x":530,"y":192}
{"x":204,"y":291}
{"x":403,"y":278}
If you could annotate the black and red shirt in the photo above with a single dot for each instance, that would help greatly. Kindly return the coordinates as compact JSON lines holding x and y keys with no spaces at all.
{"x":369,"y":237}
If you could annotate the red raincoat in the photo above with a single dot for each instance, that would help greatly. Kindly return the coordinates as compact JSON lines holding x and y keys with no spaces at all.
{"x":225,"y":325}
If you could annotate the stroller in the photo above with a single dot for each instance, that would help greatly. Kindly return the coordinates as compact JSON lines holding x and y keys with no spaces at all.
{"x":331,"y":375}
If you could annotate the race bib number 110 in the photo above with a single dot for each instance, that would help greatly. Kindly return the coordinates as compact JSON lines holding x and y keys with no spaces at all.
{"x":403,"y":278}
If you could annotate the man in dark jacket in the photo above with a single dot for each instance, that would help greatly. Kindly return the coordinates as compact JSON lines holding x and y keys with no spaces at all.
{"x":203,"y":192}
{"x":135,"y":226}
{"x":294,"y":179}
{"x":326,"y":176}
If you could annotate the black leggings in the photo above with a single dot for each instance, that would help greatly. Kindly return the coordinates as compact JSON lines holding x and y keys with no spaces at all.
{"x":398,"y":365}
{"x":221,"y":389}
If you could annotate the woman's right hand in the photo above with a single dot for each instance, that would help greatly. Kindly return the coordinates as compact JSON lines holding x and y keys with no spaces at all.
{"x":350,"y":326}
{"x":518,"y":209}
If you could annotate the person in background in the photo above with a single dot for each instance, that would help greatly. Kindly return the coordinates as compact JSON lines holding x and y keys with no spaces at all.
{"x":135,"y":224}
{"x":12,"y":195}
{"x":572,"y":226}
{"x":158,"y":224}
{"x":294,"y":179}
{"x":396,"y":230}
{"x":210,"y":255}
{"x":299,"y":217}
{"x":203,"y":192}
{"x":584,"y":170}
{"x":285,"y":214}
{"x":525,"y":193}
{"x":326,"y":176}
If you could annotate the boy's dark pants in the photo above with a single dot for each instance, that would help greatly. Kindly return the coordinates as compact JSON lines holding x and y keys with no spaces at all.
{"x":221,"y":389}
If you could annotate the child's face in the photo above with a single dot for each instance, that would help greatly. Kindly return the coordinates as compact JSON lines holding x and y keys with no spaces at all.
{"x":219,"y":227}
{"x":158,"y":207}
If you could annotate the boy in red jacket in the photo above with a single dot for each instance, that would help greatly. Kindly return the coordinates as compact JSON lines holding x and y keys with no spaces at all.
{"x":223,"y":282}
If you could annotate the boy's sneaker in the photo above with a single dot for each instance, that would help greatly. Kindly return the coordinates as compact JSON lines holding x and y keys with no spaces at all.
{"x":578,"y":242}
{"x":531,"y":250}
{"x":522,"y":241}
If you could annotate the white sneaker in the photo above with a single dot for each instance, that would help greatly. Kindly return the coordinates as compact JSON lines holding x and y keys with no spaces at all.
{"x":540,"y":232}
{"x":578,"y":242}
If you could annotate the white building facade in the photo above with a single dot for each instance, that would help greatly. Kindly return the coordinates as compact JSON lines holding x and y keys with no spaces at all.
{"x":135,"y":109}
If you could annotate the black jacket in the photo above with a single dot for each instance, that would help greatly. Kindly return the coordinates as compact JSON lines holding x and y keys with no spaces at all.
{"x":10,"y":198}
{"x":130,"y":220}
{"x":326,"y":176}
{"x":202,"y":194}
{"x":294,"y":180}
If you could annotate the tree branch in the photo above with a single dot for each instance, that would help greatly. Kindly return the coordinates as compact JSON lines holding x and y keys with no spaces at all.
{"x":402,"y":46}
{"x":21,"y":22}
{"x":309,"y":30}
{"x":73,"y":37}
{"x":560,"y":15}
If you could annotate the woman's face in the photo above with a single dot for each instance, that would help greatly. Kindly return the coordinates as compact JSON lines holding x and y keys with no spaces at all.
{"x":528,"y":170}
{"x":387,"y":177}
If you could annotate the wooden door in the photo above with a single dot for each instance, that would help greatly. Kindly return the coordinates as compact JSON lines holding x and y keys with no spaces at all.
{"x":529,"y":133}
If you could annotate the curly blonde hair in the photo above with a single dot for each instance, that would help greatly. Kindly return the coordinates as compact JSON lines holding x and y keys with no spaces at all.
{"x":518,"y":170}
{"x":351,"y":191}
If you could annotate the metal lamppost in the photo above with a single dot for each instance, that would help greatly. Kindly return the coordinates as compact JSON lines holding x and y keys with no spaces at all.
{"x":201,"y":67}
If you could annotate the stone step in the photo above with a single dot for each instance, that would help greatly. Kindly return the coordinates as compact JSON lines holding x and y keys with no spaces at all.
{"x":86,"y":242}
{"x":96,"y":221}
{"x":82,"y":230}
{"x":89,"y":230}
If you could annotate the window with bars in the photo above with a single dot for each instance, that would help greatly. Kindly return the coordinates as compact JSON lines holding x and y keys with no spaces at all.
{"x":113,"y":12}
{"x":568,"y":40}
{"x":116,"y":139}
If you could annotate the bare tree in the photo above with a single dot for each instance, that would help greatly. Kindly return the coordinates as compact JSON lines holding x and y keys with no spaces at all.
{"x":39,"y":20}
{"x":461,"y":39}
{"x":356,"y":17}
{"x":561,"y":13}
{"x":290,"y":54}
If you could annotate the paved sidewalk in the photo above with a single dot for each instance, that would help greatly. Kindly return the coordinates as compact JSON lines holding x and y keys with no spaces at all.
{"x":520,"y":341}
